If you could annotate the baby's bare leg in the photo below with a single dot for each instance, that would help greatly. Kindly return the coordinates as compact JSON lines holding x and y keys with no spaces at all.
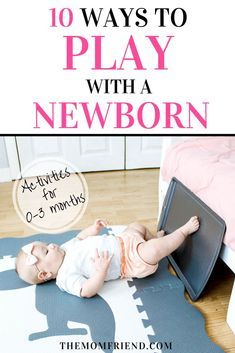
{"x":153,"y":250}
{"x":143,"y":231}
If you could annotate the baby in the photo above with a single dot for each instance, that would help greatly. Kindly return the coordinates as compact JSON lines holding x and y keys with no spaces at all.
{"x":82,"y":264}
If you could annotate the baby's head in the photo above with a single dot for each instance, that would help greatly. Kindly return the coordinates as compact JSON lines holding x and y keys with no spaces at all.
{"x":38,"y":262}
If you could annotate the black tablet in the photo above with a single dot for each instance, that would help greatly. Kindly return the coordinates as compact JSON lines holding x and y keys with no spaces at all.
{"x":194,"y":260}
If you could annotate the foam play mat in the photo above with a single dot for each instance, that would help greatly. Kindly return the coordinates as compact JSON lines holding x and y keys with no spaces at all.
{"x":139,"y":315}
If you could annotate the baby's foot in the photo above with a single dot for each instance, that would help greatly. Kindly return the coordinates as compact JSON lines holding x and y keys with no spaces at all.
{"x":160,"y":233}
{"x":191,"y":226}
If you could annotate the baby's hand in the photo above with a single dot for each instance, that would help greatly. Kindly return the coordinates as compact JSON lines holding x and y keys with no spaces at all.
{"x":102,"y":261}
{"x":100,"y":224}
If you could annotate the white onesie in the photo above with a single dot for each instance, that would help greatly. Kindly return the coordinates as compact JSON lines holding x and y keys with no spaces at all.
{"x":77,"y":265}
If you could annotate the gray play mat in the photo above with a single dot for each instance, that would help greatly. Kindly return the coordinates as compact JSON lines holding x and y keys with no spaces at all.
{"x":148,"y":315}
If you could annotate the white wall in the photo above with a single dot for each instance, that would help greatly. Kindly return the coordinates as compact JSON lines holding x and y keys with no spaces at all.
{"x":3,"y":154}
{"x":9,"y":164}
{"x":138,"y":152}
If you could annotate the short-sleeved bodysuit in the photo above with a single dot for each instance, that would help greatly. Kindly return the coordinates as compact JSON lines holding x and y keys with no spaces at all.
{"x":77,"y":265}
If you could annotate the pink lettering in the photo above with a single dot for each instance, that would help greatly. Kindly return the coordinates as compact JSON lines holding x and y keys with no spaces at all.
{"x":160,"y":51}
{"x":156,"y":115}
{"x":98,"y":55}
{"x":170,"y":114}
{"x":70,"y":50}
{"x":65,"y":114}
{"x":135,"y":55}
{"x":77,"y":46}
{"x":97,"y":111}
{"x":41,"y":112}
{"x":194,"y":111}
{"x":120,"y":114}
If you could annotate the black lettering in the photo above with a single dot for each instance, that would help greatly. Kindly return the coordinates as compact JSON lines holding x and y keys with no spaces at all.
{"x":94,"y":86}
{"x":92,"y":16}
{"x":126,"y":16}
{"x":111,"y":19}
{"x":141,"y":17}
{"x":184,"y":17}
{"x":162,"y":15}
{"x":27,"y":186}
{"x":145,"y":88}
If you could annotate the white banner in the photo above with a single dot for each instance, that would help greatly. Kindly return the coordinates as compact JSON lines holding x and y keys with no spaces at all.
{"x":136,"y":67}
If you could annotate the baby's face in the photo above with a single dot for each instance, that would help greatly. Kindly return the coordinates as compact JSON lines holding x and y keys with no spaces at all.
{"x":50,"y":257}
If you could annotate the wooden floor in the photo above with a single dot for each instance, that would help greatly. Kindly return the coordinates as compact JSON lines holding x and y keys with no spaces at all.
{"x":123,"y":197}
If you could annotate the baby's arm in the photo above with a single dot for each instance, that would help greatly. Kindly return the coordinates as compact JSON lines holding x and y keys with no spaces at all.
{"x":94,"y":229}
{"x":95,"y":283}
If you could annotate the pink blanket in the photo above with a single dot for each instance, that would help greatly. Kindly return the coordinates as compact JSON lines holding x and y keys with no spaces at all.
{"x":206,"y":166}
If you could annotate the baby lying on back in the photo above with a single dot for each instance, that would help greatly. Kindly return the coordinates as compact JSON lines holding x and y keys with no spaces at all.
{"x":82,"y":265}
